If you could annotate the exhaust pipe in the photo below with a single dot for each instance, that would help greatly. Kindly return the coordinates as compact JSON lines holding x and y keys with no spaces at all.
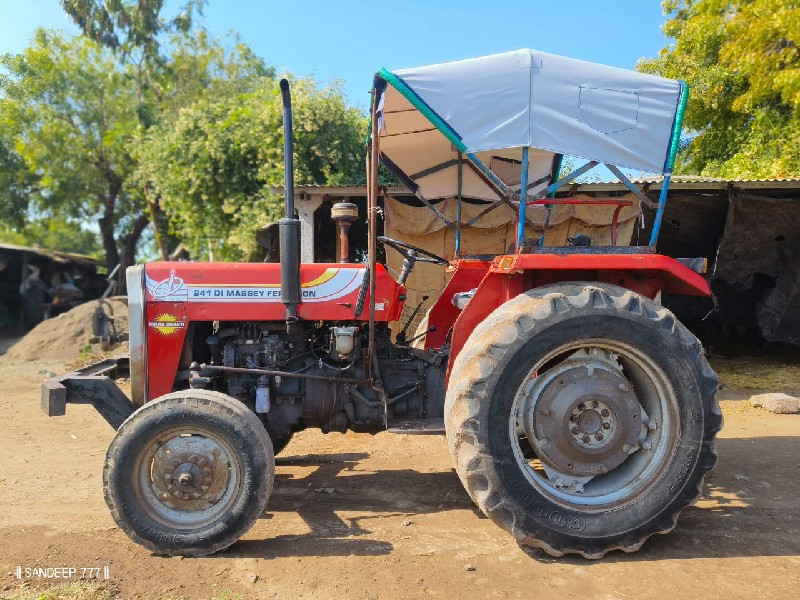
{"x":289,"y":226}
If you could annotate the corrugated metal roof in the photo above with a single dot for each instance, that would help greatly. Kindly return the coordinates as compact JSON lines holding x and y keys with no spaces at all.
{"x":679,"y":182}
{"x":703,"y":179}
{"x":695,"y":182}
{"x":62,"y":257}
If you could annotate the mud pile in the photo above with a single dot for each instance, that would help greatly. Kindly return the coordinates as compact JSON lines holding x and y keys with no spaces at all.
{"x":66,"y":336}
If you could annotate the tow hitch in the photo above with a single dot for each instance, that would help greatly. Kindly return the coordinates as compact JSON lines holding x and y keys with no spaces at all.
{"x":93,"y":385}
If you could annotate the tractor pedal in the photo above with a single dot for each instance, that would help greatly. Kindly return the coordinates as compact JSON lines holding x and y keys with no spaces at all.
{"x":418,"y":427}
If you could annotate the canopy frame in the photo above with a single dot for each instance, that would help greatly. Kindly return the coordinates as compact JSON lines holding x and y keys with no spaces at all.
{"x":506,"y":194}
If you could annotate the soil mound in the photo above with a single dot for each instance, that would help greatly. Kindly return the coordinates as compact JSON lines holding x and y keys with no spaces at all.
{"x":65,"y":336}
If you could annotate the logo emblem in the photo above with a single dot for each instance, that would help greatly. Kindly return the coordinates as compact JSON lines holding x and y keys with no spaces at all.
{"x":173,"y":288}
{"x":167,"y":324}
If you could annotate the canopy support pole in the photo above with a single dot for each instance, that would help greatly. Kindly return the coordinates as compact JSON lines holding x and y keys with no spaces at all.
{"x":458,"y":203}
{"x":630,"y":185}
{"x":372,"y":225}
{"x":504,"y":189}
{"x":523,"y":198}
{"x":662,"y":203}
{"x":550,"y":189}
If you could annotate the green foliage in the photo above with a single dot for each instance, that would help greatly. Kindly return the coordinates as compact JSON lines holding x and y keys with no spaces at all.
{"x":147,"y":109}
{"x":132,"y":26}
{"x":741,"y":59}
{"x":215,"y":165}
{"x":16,"y":183}
{"x":53,"y":233}
{"x":67,"y":115}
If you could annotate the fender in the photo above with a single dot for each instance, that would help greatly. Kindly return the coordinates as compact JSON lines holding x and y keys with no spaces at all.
{"x":511,"y":275}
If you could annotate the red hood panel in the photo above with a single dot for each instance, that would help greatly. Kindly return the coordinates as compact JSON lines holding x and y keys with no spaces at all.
{"x":252,"y":291}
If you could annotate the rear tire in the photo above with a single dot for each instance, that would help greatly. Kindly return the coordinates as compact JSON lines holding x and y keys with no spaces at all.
{"x":189,"y":473}
{"x":516,"y":347}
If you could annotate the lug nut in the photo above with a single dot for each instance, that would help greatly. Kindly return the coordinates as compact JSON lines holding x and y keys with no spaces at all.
{"x":581,"y":406}
{"x":574,"y":431}
{"x":647,"y":445}
{"x":652,"y":425}
{"x":586,"y":439}
{"x":598,"y":436}
{"x":604,"y":412}
{"x":606,"y":426}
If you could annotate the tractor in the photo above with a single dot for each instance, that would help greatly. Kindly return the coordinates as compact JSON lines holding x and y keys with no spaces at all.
{"x":580,"y":414}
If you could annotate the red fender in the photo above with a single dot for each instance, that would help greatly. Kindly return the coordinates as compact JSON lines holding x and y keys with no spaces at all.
{"x":508,"y":276}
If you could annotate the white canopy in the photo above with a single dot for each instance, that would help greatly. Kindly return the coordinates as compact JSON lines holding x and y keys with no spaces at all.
{"x":494,"y":105}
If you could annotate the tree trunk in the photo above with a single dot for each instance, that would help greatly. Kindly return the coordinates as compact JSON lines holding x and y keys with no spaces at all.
{"x":153,"y":206}
{"x":106,"y":223}
{"x":127,"y":255}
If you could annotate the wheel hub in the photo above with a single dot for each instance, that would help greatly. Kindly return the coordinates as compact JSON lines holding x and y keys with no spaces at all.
{"x":190,"y":472}
{"x":582,"y":416}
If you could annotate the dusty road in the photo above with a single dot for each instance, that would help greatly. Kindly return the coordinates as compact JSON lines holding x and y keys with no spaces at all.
{"x":385,"y":517}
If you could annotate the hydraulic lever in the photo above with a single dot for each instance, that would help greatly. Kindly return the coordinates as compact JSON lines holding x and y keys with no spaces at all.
{"x":401,"y":337}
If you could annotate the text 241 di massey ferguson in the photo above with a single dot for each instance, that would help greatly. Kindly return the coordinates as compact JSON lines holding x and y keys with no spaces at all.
{"x":579,"y":413}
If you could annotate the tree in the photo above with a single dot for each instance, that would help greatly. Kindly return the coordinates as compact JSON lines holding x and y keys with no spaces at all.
{"x":131,"y":27}
{"x":133,"y":31}
{"x":53,"y":233}
{"x":67,"y":116}
{"x":741,"y":59}
{"x":214,"y":166}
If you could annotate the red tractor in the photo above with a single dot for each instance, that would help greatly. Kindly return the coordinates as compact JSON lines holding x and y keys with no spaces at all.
{"x":579,"y":413}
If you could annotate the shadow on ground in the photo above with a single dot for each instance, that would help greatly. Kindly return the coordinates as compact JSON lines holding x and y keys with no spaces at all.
{"x":751,"y":511}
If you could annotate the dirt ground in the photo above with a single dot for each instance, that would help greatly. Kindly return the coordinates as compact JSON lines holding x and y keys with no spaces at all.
{"x":386,"y":517}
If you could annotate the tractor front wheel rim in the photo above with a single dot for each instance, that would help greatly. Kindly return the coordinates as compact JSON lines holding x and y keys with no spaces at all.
{"x":187,"y":478}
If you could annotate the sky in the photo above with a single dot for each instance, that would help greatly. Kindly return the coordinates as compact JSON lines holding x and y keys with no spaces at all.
{"x":353,"y":39}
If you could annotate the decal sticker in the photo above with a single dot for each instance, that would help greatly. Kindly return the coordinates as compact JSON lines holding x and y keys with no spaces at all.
{"x":331,"y":284}
{"x":171,"y":289}
{"x":507,"y":263}
{"x":166,"y":324}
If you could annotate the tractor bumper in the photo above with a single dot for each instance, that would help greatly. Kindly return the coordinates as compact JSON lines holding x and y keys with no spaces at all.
{"x":93,"y":385}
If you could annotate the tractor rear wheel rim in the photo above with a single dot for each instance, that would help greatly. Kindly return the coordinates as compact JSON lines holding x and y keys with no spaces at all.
{"x":647,"y":432}
{"x":187,"y":477}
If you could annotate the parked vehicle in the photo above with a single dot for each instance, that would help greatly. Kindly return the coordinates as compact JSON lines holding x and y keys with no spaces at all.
{"x":579,"y":413}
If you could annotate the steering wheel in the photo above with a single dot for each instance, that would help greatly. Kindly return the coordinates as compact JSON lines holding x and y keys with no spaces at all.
{"x":412,"y":253}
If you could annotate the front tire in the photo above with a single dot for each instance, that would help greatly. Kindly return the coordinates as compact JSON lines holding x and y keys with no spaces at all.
{"x":617,"y":399}
{"x":189,"y":473}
